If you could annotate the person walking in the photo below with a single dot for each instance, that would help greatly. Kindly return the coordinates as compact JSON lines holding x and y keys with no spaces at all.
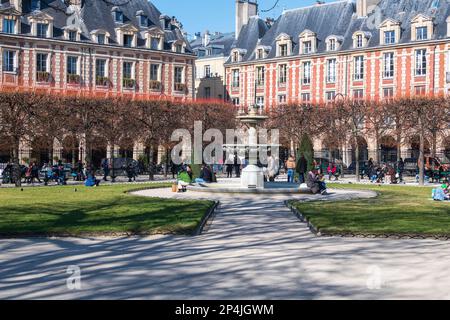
{"x":290,"y":166}
{"x":237,"y":166}
{"x":301,"y":168}
{"x":35,"y":173}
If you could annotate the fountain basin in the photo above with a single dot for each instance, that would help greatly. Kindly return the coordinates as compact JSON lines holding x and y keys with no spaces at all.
{"x":236,"y":187}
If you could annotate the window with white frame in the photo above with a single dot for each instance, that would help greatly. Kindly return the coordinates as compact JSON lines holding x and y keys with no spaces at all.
{"x":358,"y":68}
{"x":330,"y":95}
{"x":42,"y":30}
{"x":260,"y":54}
{"x":389,"y":37}
{"x":260,"y":76}
{"x":358,"y":94}
{"x":101,"y":73}
{"x":42,"y":67}
{"x":101,"y":38}
{"x":207,"y":72}
{"x":235,"y":83}
{"x":306,"y":79}
{"x":388,"y":65}
{"x":128,"y":75}
{"x":235,"y":101}
{"x":282,"y":74}
{"x":72,"y":35}
{"x":178,"y":75}
{"x":282,"y":99}
{"x":154,"y":72}
{"x":421,"y":33}
{"x":307,"y":47}
{"x":41,"y":62}
{"x":388,"y":93}
{"x":260,"y":102}
{"x":9,"y":61}
{"x":331,"y":71}
{"x":9,"y":25}
{"x":332,"y":45}
{"x":72,"y":65}
{"x":283,"y":50}
{"x":154,"y":43}
{"x":421,"y":62}
{"x":359,"y":41}
{"x":306,"y":97}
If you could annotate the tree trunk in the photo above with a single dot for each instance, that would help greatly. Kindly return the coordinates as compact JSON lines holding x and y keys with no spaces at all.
{"x":16,"y":174}
{"x":113,"y":171}
{"x":422,"y":159}
{"x":399,"y":147}
{"x":434,"y":145}
{"x":358,"y":177}
{"x":151,"y":175}
{"x":166,"y":169}
{"x":378,"y":151}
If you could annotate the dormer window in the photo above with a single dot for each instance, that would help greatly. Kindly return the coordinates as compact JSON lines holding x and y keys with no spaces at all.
{"x":360,"y":39}
{"x":389,"y":32}
{"x":421,"y":33}
{"x":389,"y":37}
{"x":118,"y":16}
{"x":143,"y":21}
{"x":283,"y":50}
{"x":127,"y":35}
{"x":307,"y":47}
{"x":308,"y":42}
{"x":421,"y":28}
{"x":237,"y":54}
{"x":41,"y":30}
{"x":72,"y":33}
{"x":332,"y":45}
{"x":259,"y":54}
{"x":154,"y":43}
{"x":154,"y":38}
{"x":41,"y":24}
{"x":179,"y":46}
{"x":333,"y":42}
{"x":101,"y":38}
{"x":9,"y":25}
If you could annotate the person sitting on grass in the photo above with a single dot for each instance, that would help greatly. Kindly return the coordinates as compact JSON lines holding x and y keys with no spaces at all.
{"x":91,"y":181}
{"x":316,"y":183}
{"x":205,"y":175}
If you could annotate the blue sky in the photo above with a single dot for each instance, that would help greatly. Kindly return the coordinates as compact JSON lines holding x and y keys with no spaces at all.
{"x":218,"y":15}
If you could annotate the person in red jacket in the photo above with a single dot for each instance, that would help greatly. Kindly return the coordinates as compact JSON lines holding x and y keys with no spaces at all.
{"x":331,"y":170}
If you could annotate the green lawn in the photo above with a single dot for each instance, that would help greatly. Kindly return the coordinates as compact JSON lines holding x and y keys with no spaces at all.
{"x":397,"y":210}
{"x":94,"y":211}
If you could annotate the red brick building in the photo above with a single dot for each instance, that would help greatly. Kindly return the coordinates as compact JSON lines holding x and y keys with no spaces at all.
{"x":93,"y":47}
{"x":364,"y":49}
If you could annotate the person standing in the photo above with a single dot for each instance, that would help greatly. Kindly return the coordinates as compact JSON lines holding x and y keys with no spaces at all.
{"x":290,"y":166}
{"x":400,"y":169}
{"x":237,"y":166}
{"x":301,"y":168}
{"x":105,"y":167}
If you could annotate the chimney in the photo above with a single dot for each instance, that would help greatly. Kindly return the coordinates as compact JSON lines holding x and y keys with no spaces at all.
{"x":17,"y":4}
{"x":364,"y":7}
{"x":206,"y":38}
{"x":244,"y":10}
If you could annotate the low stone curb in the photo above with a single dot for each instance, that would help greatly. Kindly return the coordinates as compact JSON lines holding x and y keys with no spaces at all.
{"x":320,"y":233}
{"x":207,"y":219}
{"x":302,"y":218}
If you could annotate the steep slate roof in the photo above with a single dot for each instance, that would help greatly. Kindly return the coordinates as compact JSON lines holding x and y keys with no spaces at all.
{"x":97,"y":14}
{"x":221,"y":42}
{"x":339,"y":19}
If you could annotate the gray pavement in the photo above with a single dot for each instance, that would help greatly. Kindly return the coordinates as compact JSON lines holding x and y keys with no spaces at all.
{"x":254,"y":249}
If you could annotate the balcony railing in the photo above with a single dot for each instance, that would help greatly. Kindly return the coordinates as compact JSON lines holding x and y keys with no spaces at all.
{"x":73,"y":79}
{"x":129,"y":83}
{"x":43,"y":76}
{"x":180,"y":87}
{"x":155,"y":85}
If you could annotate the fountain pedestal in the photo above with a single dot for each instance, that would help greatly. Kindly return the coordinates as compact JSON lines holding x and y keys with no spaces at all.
{"x":252,"y":177}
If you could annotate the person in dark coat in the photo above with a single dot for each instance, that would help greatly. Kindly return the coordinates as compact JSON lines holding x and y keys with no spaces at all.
{"x":105,"y":167}
{"x":302,"y":168}
{"x":400,"y":169}
{"x":237,"y":166}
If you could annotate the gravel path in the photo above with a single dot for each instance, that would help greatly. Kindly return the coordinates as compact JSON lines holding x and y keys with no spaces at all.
{"x":255,"y":249}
